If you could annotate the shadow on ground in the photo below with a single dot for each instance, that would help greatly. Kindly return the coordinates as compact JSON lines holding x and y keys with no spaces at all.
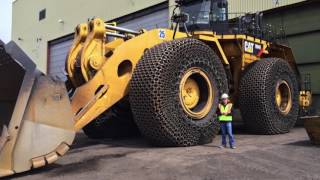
{"x":87,"y":154}
{"x":305,"y":143}
{"x":85,"y":165}
{"x":83,"y":143}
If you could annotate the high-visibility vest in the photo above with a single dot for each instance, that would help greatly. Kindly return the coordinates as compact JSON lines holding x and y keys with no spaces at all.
{"x":225,"y":109}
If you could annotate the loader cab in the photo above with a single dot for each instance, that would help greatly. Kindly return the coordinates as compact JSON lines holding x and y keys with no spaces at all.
{"x":206,"y":15}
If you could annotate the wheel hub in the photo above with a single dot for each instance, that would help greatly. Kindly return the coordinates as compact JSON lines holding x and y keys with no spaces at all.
{"x":283,"y":97}
{"x":191,"y":93}
{"x":196,"y":93}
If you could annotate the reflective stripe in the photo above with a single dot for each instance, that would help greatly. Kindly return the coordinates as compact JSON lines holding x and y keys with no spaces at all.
{"x":225,"y":109}
{"x":225,"y":118}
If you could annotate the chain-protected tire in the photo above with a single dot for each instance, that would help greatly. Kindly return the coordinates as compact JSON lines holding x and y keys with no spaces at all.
{"x":154,"y":93}
{"x":261,"y":112}
{"x":117,"y":122}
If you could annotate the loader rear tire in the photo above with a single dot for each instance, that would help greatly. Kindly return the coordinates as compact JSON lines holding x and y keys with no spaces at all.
{"x":117,"y":122}
{"x":269,"y":97}
{"x":155,"y":93}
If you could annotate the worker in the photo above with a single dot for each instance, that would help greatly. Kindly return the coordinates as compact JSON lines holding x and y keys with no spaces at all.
{"x":225,"y":118}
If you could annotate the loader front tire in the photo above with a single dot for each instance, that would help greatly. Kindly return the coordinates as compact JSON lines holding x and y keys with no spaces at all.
{"x":162,"y":79}
{"x":117,"y":122}
{"x":269,"y":97}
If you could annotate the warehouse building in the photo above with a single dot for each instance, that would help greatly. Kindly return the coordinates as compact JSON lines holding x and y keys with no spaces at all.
{"x":301,"y":25}
{"x":44,"y":29}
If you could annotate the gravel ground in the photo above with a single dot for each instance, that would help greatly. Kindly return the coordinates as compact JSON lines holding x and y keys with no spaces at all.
{"x":287,"y":156}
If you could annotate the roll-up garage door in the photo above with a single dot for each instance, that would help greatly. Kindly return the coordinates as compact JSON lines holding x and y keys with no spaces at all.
{"x":58,"y":52}
{"x":58,"y":49}
{"x":158,"y":19}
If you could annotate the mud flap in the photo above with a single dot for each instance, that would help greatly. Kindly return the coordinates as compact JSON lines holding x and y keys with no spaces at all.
{"x":36,"y":122}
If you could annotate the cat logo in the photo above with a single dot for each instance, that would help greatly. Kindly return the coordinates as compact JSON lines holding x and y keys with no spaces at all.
{"x":252,"y":48}
{"x":248,"y":47}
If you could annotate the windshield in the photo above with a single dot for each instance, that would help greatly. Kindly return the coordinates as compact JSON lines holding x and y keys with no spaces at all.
{"x":206,"y":12}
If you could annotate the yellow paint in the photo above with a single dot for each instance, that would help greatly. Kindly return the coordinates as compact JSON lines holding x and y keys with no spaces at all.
{"x":305,"y":99}
{"x":283,"y":97}
{"x":81,"y":33}
{"x":93,"y":48}
{"x":103,"y":87}
{"x":88,"y":102}
{"x":190,"y":93}
{"x":208,"y":36}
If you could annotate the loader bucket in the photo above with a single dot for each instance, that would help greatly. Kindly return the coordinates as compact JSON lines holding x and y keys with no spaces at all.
{"x":36,"y":122}
{"x":312,"y":126}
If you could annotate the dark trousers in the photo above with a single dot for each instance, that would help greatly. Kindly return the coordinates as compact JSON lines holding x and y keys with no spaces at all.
{"x":226,"y":129}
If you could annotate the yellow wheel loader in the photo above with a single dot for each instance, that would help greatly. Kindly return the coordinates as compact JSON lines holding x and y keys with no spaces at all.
{"x":164,"y":82}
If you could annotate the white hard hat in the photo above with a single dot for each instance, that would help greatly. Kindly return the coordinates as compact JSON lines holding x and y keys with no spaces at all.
{"x":224,"y":96}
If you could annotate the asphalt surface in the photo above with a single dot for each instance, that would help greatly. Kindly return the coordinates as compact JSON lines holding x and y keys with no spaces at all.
{"x":287,"y":156}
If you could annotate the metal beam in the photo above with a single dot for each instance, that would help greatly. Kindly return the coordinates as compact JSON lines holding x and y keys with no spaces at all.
{"x":115,"y":35}
{"x":120,"y":29}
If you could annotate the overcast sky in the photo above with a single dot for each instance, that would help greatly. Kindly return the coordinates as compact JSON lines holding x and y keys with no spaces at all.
{"x":5,"y":20}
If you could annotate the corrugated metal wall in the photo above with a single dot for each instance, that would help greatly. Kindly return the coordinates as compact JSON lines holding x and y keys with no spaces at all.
{"x":302,"y":27}
{"x":243,"y":6}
